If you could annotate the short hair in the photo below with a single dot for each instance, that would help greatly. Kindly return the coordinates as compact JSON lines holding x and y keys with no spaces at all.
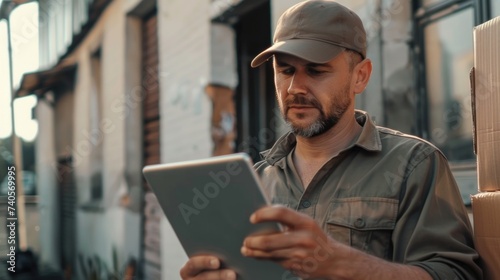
{"x":353,"y":58}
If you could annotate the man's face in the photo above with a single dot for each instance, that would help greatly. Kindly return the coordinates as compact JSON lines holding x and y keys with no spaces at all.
{"x":312,"y":97}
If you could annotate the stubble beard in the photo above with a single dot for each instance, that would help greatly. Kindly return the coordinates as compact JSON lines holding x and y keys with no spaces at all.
{"x":338,"y":106}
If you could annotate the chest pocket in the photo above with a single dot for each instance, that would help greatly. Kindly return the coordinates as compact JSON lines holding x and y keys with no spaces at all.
{"x":363,"y":223}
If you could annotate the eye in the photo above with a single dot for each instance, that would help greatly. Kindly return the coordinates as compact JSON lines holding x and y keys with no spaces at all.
{"x":314,"y":71}
{"x":286,"y":70}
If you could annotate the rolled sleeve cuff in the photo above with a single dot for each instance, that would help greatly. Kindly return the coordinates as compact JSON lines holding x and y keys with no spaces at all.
{"x":440,"y":271}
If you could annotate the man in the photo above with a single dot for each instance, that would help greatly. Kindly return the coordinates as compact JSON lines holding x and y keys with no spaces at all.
{"x":370,"y":202}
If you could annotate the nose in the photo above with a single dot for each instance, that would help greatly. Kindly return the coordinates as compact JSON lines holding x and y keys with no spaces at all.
{"x":297,"y":84}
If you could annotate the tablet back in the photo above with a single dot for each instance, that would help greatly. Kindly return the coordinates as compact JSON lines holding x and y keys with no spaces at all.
{"x":208,"y":203}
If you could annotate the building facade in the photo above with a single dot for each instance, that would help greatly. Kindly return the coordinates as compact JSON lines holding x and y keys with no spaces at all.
{"x":127,"y":83}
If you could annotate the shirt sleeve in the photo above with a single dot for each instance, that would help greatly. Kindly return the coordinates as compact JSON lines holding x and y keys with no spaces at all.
{"x":433,"y":230}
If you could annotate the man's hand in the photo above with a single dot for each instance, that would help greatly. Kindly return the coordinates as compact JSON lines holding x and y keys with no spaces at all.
{"x":302,"y":247}
{"x":205,"y":268}
{"x":307,"y":251}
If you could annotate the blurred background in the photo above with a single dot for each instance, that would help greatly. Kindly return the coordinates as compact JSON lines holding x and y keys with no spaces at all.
{"x":101,"y":88}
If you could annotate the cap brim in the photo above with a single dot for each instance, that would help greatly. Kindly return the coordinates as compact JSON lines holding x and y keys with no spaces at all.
{"x":310,"y":50}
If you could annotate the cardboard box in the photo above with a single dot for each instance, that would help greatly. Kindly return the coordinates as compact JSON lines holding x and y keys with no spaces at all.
{"x":485,"y":85}
{"x":485,"y":79}
{"x":486,"y":211}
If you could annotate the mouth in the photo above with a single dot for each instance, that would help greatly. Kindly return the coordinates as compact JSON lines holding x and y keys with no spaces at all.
{"x":300,"y":107}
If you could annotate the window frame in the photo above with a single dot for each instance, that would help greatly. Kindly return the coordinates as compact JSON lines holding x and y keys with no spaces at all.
{"x":423,"y":16}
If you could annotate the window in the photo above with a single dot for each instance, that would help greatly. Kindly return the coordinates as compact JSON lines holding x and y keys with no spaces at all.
{"x":495,"y":8}
{"x":445,"y":55}
{"x":448,"y":47}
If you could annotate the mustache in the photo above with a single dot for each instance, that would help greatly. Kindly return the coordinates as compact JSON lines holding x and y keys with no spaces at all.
{"x":301,"y":100}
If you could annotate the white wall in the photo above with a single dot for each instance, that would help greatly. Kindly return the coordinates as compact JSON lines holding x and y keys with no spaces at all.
{"x":185,"y":110}
{"x":46,"y":166}
{"x":81,"y":144}
{"x":113,"y":88}
{"x":184,"y":70}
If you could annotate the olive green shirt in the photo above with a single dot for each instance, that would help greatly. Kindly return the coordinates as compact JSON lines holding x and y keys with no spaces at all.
{"x":388,"y":194}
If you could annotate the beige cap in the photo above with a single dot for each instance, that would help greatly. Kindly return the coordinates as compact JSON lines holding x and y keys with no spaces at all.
{"x":317,"y":31}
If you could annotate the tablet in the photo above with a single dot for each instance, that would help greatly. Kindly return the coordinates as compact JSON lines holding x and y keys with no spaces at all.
{"x":208,"y":202}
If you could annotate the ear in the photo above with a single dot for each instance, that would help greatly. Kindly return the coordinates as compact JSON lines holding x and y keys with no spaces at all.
{"x":361,"y":75}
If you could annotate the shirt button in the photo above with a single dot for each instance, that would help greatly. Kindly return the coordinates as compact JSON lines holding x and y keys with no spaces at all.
{"x":306,"y":204}
{"x":359,"y":223}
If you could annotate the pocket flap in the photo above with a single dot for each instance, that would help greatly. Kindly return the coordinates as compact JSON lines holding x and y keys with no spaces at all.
{"x":364,"y":213}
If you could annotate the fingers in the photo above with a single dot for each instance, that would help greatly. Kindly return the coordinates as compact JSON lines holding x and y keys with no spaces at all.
{"x":275,"y":254}
{"x":197,"y":264}
{"x":278,"y":241}
{"x":283,"y":245}
{"x":205,"y":268}
{"x":286,"y":216}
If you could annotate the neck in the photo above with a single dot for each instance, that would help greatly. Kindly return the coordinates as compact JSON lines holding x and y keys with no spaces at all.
{"x":330,"y":143}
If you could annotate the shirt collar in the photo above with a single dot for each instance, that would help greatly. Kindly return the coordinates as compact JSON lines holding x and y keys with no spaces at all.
{"x":369,"y":139}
